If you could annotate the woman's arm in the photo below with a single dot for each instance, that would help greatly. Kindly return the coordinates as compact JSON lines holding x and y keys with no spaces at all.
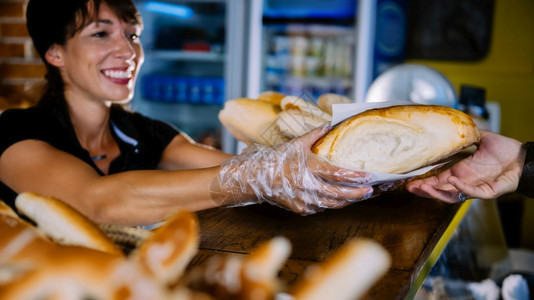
{"x":184,"y":153}
{"x":288,"y":175}
{"x":134,"y":197}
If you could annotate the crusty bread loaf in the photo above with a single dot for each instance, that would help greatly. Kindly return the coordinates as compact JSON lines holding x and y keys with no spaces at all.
{"x":272,"y":97}
{"x":62,"y":223}
{"x":252,"y":121}
{"x":398,"y":139}
{"x":294,"y":122}
{"x":347,"y":274}
{"x":33,"y":267}
{"x":259,"y":275}
{"x":252,"y":277}
{"x":73,"y":272}
{"x":325,"y":101}
{"x":297,"y":103}
{"x":22,"y":246}
{"x":168,"y":250}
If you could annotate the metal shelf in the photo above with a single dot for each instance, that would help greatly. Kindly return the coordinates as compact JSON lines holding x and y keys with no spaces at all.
{"x":188,"y":55}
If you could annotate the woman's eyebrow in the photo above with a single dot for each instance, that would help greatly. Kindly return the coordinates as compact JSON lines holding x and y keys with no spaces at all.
{"x":102,"y":21}
{"x":110,"y":22}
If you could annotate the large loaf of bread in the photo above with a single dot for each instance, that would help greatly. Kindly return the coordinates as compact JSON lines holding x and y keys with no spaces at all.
{"x":398,"y":139}
{"x":274,"y":118}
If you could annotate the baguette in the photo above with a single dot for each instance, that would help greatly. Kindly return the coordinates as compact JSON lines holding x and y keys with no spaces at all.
{"x":325,"y":101}
{"x":167,"y":251}
{"x":63,"y":224}
{"x":252,"y":121}
{"x":297,"y":103}
{"x":22,"y":246}
{"x":398,"y":139}
{"x":347,"y":274}
{"x":272,"y":97}
{"x":293,"y":122}
{"x":254,"y":277}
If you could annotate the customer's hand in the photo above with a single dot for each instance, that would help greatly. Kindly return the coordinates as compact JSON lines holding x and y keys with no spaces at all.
{"x":493,"y":170}
{"x":291,"y":176}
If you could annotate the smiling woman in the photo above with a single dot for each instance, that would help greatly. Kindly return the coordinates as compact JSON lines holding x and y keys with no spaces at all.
{"x":80,"y":145}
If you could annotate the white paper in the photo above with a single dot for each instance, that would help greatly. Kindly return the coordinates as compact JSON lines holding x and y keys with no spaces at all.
{"x":340,"y":112}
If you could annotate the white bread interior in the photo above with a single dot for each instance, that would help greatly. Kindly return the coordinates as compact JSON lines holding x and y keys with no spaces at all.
{"x":63,"y":224}
{"x":398,"y":139}
{"x":347,"y":274}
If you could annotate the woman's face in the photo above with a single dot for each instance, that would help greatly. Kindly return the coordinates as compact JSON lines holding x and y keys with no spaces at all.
{"x":101,"y":62}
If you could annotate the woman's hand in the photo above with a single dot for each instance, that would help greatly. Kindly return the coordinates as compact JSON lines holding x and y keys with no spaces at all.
{"x":493,"y":170}
{"x":291,"y":176}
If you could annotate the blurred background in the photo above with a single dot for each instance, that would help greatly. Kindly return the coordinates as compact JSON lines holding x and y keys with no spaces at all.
{"x":474,"y":55}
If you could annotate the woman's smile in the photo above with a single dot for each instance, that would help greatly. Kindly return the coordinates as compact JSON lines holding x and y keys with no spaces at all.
{"x":119,"y":75}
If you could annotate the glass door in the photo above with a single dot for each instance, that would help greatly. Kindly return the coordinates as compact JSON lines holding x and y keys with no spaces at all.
{"x":192,"y":65}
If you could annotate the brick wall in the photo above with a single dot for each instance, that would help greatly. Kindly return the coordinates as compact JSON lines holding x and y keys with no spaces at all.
{"x":21,"y":69}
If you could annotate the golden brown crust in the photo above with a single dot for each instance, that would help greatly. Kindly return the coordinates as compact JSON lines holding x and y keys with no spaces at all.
{"x":21,"y":245}
{"x":261,"y":267}
{"x":346,"y":274}
{"x":272,"y":97}
{"x":325,"y":101}
{"x":72,"y":272}
{"x":168,"y":250}
{"x":398,"y":139}
{"x":63,"y":224}
{"x":252,"y":277}
{"x":307,"y":107}
{"x":252,"y":121}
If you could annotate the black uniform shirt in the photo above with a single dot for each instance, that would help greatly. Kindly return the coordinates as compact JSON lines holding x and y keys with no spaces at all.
{"x":141,"y":140}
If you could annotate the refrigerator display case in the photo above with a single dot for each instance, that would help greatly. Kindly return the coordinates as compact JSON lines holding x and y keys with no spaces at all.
{"x":312,"y":47}
{"x":200,"y":53}
{"x":193,"y":63}
{"x":308,"y":47}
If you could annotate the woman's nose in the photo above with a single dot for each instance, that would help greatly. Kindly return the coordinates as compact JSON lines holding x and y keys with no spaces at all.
{"x":124,"y":48}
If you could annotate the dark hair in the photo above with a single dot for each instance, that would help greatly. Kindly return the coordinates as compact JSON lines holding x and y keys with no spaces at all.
{"x":52,"y":22}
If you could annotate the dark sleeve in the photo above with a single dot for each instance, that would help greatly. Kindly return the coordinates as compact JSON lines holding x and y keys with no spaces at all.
{"x":526,"y":183}
{"x":16,"y":126}
{"x":149,"y":137}
{"x":157,"y":133}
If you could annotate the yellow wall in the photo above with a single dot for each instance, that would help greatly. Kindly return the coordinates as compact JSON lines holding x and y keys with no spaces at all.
{"x":507,"y":72}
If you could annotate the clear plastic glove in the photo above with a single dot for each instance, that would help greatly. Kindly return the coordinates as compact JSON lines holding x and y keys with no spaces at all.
{"x":290,"y":176}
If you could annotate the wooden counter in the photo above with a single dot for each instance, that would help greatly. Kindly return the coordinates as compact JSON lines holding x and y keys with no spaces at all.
{"x":414,"y":231}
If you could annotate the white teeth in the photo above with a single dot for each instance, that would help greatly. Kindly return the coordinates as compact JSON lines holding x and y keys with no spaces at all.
{"x":118,"y":74}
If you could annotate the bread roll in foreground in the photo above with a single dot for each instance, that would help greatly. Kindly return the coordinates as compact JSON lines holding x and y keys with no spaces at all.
{"x":63,"y":224}
{"x":168,"y":250}
{"x":398,"y":139}
{"x":347,"y":274}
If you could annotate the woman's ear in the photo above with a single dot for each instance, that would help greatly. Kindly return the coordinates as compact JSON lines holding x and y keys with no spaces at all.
{"x":54,"y":56}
